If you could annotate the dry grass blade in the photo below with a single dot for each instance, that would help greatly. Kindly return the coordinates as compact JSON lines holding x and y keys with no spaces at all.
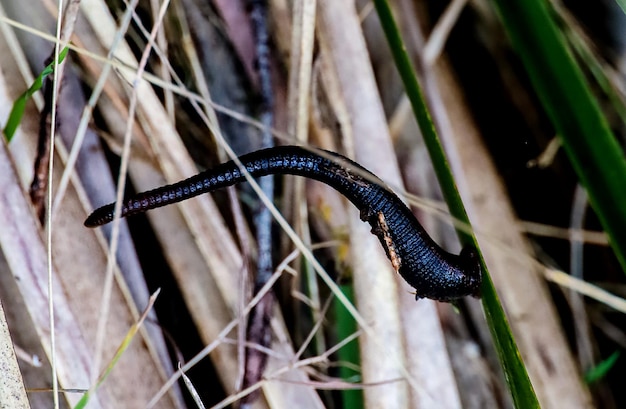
{"x":584,"y":288}
{"x":295,"y":206}
{"x":376,"y":293}
{"x":78,"y":254}
{"x":193,"y":391}
{"x":589,"y":237}
{"x":24,"y":251}
{"x":377,"y":290}
{"x":130,"y":335}
{"x":12,"y":392}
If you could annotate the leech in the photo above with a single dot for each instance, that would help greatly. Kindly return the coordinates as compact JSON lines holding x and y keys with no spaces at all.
{"x":430,"y":270}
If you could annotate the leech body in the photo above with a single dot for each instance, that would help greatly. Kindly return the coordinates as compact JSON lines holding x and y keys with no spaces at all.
{"x":433,"y":272}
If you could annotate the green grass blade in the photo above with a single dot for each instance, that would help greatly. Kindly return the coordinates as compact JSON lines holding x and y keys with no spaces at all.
{"x":17,"y":111}
{"x":346,"y":326}
{"x":599,"y":371}
{"x":597,"y":71}
{"x":591,"y":147}
{"x":130,"y":335}
{"x":515,"y":372}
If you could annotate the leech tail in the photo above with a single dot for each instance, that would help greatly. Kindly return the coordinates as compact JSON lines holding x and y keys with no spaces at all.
{"x":285,"y":159}
{"x":196,"y":185}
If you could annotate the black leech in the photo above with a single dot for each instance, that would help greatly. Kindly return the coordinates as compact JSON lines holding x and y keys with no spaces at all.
{"x":433,"y":272}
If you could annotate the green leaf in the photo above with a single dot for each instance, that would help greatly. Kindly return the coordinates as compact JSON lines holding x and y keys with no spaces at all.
{"x":17,"y":112}
{"x":586,"y":137}
{"x":596,"y":69}
{"x":599,"y":371}
{"x":348,"y":354}
{"x":130,"y":335}
{"x":515,"y":372}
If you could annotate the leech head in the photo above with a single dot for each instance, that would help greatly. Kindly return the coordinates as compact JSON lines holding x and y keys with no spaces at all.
{"x":465,"y":276}
{"x":446,"y":277}
{"x":473,"y":275}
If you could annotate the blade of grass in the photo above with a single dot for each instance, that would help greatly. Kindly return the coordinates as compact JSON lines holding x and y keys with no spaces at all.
{"x":598,"y":68}
{"x":192,"y":390}
{"x":599,"y":371}
{"x":349,"y":354}
{"x":118,"y":353}
{"x":515,"y":372}
{"x":15,"y":117}
{"x":587,"y":140}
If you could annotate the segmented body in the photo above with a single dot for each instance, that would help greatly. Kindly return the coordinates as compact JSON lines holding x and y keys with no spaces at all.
{"x":433,"y":272}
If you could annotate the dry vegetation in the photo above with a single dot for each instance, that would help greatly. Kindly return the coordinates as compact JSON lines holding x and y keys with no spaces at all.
{"x":187,"y":100}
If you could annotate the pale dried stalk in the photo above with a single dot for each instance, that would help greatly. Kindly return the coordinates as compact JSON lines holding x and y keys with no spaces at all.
{"x":298,"y":97}
{"x":543,"y":230}
{"x":376,"y":287}
{"x":12,"y":392}
{"x":24,"y":250}
{"x":584,"y":288}
{"x":56,"y":82}
{"x":74,"y":248}
{"x":375,"y":291}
